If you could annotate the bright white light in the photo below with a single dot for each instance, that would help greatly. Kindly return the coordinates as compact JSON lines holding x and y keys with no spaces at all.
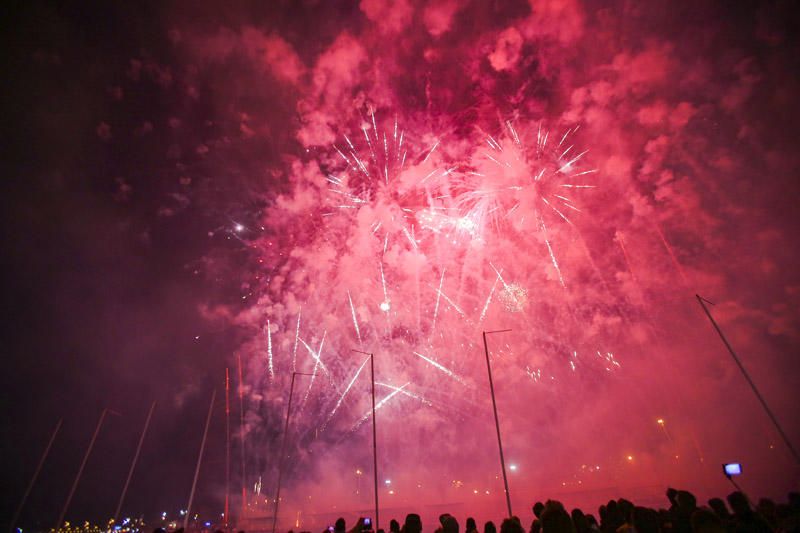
{"x":238,"y":228}
{"x":388,"y":481}
{"x":385,"y":306}
{"x":512,"y":467}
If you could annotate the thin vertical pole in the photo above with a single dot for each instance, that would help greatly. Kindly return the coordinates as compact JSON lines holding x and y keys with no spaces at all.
{"x":80,"y":470}
{"x":374,"y":441}
{"x":199,"y":461}
{"x":133,"y":463}
{"x":35,"y":476}
{"x":241,"y":436}
{"x":497,"y":426}
{"x":283,"y":453}
{"x":227,"y":448}
{"x":749,"y":380}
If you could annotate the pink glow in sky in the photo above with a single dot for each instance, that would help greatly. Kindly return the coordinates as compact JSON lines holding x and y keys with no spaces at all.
{"x":396,"y":177}
{"x":538,"y":173}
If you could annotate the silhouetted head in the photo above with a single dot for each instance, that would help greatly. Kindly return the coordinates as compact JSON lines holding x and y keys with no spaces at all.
{"x":782,"y":512}
{"x":644,"y":520}
{"x":579,"y":521}
{"x":471,"y":525}
{"x":340,"y":525}
{"x":794,"y":500}
{"x":686,"y":501}
{"x":671,"y":495}
{"x":718,"y":506}
{"x":626,"y":508}
{"x":413,"y":524}
{"x":555,"y":519}
{"x":443,"y":517}
{"x":538,"y":507}
{"x":394,"y":526}
{"x":739,"y":504}
{"x":705,"y":521}
{"x":489,"y":527}
{"x":766,"y":507}
{"x":510,"y":525}
{"x":450,"y":525}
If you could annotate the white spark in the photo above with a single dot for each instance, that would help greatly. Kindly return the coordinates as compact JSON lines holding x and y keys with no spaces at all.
{"x":346,"y":390}
{"x":269,"y":351}
{"x":296,"y":339}
{"x":489,"y":298}
{"x":355,"y":321}
{"x":440,"y":367}
{"x":438,"y":296}
{"x":378,"y":406}
{"x":405,"y":392}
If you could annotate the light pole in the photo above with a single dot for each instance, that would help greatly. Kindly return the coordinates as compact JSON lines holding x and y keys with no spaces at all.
{"x":199,"y":460}
{"x":497,"y":420}
{"x":83,"y":465}
{"x":761,"y":399}
{"x":133,"y":463}
{"x":283,"y":448}
{"x":13,"y":523}
{"x":374,"y":436}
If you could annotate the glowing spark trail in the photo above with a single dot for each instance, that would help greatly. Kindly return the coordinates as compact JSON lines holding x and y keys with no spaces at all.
{"x":346,"y":390}
{"x":432,"y":150}
{"x":316,"y":355}
{"x":489,"y":298}
{"x":317,"y":364}
{"x":269,"y":351}
{"x":440,"y":367}
{"x":448,"y":300}
{"x":405,"y":392}
{"x":438,"y":296}
{"x":296,"y":339}
{"x":355,"y":321}
{"x":378,"y":406}
{"x":385,"y":303}
{"x":675,"y":261}
{"x":552,"y":255}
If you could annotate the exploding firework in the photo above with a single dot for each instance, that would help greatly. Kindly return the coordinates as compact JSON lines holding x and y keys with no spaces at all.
{"x":414,"y":254}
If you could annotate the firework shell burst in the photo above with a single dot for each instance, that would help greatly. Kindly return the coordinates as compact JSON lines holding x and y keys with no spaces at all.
{"x":409,"y":252}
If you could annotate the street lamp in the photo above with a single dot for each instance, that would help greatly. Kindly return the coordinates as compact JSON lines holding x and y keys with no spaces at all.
{"x":374,"y":433}
{"x":283,"y":447}
{"x":497,"y":420}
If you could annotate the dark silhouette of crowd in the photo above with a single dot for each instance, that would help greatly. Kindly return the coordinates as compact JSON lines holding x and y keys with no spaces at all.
{"x":683,"y":515}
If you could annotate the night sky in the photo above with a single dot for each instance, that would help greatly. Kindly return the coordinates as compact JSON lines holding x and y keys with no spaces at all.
{"x":183,"y":180}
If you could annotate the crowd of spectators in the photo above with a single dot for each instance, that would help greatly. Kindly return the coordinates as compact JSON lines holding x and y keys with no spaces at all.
{"x":682,"y":515}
